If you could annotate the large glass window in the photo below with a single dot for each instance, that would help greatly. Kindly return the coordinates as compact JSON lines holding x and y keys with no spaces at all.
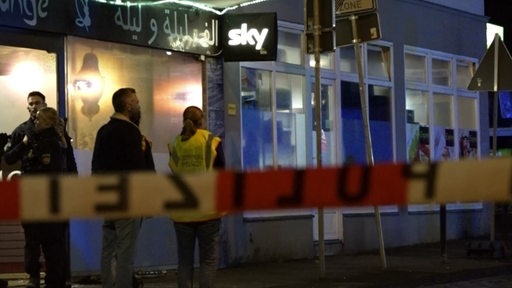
{"x":379,"y":105}
{"x":261,"y":130}
{"x":23,"y":70}
{"x":415,"y":68}
{"x":377,"y":65}
{"x":327,"y":120}
{"x":468,"y":135}
{"x":290,"y":120}
{"x":256,"y":119}
{"x":379,"y":58}
{"x":441,"y":72}
{"x":347,"y":59}
{"x":442,"y":115}
{"x":289,"y":47}
{"x":465,"y":70}
{"x":443,"y":145}
{"x":417,"y":133}
{"x":165,"y":83}
{"x":326,"y":60}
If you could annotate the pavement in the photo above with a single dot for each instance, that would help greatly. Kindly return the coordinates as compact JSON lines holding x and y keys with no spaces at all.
{"x":411,"y":266}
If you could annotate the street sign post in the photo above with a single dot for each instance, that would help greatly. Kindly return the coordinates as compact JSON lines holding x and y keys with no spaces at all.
{"x":353,"y":27}
{"x":326,"y":22}
{"x":349,"y":7}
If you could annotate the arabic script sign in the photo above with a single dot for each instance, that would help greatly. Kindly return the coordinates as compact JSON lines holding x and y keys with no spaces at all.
{"x":166,"y":26}
{"x":171,"y":26}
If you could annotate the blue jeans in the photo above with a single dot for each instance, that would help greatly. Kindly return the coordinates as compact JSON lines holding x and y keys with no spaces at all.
{"x":119,"y":243}
{"x":207,"y":235}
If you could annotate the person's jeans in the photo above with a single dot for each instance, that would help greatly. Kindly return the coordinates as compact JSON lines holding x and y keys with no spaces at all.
{"x":207,"y":235}
{"x":119,"y":243}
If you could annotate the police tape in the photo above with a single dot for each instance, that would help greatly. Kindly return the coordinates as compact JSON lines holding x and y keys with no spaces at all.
{"x":151,"y":194}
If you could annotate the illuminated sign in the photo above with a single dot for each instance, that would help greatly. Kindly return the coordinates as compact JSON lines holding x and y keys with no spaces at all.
{"x":250,"y":37}
{"x":169,"y":26}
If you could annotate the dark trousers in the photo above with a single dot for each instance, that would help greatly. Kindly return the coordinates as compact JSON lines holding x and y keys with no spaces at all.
{"x":51,"y":238}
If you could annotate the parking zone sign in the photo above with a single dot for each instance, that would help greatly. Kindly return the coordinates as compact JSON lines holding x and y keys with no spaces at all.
{"x":349,"y":7}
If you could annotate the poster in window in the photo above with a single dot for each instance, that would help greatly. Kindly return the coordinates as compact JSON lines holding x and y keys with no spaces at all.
{"x":417,"y":143}
{"x":468,"y":144}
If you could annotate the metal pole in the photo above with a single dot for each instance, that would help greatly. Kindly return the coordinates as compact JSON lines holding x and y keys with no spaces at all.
{"x":368,"y":139}
{"x":492,"y":224}
{"x":320,"y":214}
{"x":442,"y":220}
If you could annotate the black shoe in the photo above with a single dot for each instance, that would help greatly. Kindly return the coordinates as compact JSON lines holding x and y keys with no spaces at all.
{"x":33,"y":283}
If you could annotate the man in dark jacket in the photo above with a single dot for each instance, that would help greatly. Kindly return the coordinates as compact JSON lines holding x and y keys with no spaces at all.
{"x":36,"y":100}
{"x":121,"y":147}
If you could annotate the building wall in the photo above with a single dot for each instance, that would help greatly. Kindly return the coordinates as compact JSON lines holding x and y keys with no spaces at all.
{"x":415,"y":23}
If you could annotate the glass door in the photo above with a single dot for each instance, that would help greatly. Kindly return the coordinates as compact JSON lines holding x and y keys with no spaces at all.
{"x":22,"y":70}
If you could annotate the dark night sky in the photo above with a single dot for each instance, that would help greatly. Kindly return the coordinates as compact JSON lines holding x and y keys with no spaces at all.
{"x":500,"y":13}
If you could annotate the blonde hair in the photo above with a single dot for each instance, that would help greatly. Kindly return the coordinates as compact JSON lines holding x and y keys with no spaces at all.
{"x":56,"y":122}
{"x":192,"y":120}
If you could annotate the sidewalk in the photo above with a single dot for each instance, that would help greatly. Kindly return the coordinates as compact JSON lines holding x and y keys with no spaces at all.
{"x":414,"y":266}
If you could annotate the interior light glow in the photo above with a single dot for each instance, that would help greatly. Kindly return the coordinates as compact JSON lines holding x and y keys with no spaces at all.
{"x":28,"y":75}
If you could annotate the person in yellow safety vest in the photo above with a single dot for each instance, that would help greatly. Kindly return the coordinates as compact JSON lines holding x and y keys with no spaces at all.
{"x":196,"y":150}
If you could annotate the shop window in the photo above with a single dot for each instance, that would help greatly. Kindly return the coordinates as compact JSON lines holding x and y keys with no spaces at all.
{"x":165,"y":85}
{"x":23,"y":70}
{"x":444,"y":144}
{"x":327,"y":131}
{"x":415,"y":68}
{"x":256,"y":119}
{"x":290,"y":120}
{"x":289,"y":47}
{"x":353,"y":131}
{"x":273,"y":125}
{"x":465,"y":71}
{"x":259,"y":126}
{"x":442,"y":115}
{"x":417,"y":132}
{"x":441,"y":72}
{"x":354,"y":144}
{"x":468,"y":135}
{"x":379,"y":59}
{"x":326,"y":60}
{"x":347,"y":59}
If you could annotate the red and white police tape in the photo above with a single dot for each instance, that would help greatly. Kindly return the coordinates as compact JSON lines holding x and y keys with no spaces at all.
{"x":150,"y":194}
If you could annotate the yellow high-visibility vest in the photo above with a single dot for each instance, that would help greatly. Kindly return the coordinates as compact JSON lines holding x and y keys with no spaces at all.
{"x":197,"y":154}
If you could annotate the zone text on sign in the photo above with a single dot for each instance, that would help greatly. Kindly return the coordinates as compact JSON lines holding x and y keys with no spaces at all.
{"x":354,"y":6}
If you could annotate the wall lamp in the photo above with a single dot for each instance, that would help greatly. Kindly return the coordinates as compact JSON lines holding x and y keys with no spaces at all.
{"x":88,"y":85}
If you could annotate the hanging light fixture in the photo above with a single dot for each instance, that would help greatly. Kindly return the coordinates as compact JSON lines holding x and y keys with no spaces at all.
{"x":88,"y":85}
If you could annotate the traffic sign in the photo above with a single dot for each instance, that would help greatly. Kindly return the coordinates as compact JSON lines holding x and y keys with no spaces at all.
{"x":349,"y":7}
{"x":368,"y":29}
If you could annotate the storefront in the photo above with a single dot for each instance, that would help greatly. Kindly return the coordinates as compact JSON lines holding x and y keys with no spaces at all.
{"x":416,"y":77}
{"x":78,"y":59}
{"x":420,"y":109}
